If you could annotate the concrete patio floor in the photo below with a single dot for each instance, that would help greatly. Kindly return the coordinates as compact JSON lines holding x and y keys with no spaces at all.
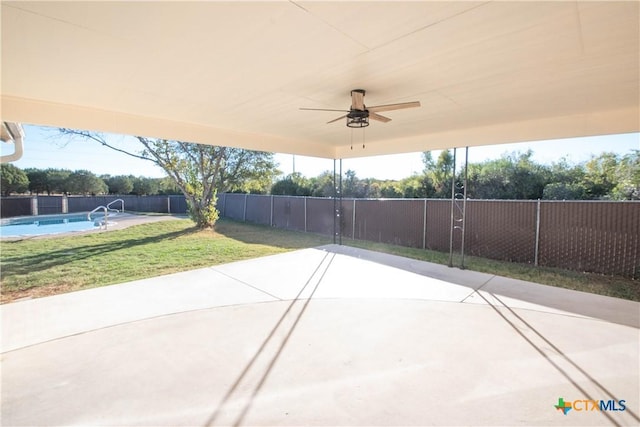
{"x":325,"y":336}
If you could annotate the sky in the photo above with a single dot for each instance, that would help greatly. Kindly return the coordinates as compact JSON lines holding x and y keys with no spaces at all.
{"x":46,"y":148}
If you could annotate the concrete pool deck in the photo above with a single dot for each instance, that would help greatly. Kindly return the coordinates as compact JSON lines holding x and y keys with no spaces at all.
{"x":326,"y":336}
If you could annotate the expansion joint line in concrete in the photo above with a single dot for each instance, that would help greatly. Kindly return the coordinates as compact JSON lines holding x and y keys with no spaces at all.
{"x":245,"y":283}
{"x":476,"y":291}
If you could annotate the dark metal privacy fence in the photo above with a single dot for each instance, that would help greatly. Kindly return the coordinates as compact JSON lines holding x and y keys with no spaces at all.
{"x":594,"y":236}
{"x":46,"y":205}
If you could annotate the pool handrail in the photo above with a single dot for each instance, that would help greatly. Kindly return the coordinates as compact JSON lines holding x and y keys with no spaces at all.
{"x":114,"y":201}
{"x":106,"y":214}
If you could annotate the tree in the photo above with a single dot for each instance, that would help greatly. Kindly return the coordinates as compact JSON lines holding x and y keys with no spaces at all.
{"x":628,"y":177}
{"x":167,"y":186}
{"x":322,"y":185}
{"x":512,"y":176}
{"x":440,"y":172}
{"x":38,"y":181}
{"x":600,"y":176}
{"x":142,"y":186}
{"x":199,"y":171}
{"x":566,"y":182}
{"x":292,"y":185}
{"x":85,"y":182}
{"x":58,"y":181}
{"x":13,"y":179}
{"x":427,"y":161}
{"x":352,"y":186}
{"x":417,"y":186}
{"x":120,"y":184}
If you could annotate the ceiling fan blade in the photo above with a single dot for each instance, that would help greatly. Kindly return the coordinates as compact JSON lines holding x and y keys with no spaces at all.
{"x":339,"y":118}
{"x":323,"y":109}
{"x":378,"y":117}
{"x":390,"y":107}
{"x":357,"y":100}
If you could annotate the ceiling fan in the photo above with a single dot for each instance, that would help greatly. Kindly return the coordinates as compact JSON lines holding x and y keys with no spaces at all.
{"x":358,"y":115}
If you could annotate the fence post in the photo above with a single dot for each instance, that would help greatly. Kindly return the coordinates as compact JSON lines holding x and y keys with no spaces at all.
{"x":244,"y":212}
{"x":305,"y":213}
{"x":353,"y":222}
{"x":424,"y":226}
{"x":34,"y":205}
{"x":168,"y":204}
{"x":535,"y":258}
{"x":224,"y":205}
{"x":65,"y":204}
{"x":271,"y":220}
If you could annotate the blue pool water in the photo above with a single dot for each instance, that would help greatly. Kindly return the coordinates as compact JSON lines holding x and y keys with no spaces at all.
{"x":46,"y":224}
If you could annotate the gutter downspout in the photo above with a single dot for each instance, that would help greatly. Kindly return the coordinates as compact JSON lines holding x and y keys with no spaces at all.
{"x":12,"y":132}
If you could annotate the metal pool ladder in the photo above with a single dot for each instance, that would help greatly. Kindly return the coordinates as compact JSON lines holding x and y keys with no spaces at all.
{"x":115,"y":201}
{"x":106,"y":214}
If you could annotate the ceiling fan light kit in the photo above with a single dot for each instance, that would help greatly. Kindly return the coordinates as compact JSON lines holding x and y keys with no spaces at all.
{"x":357,"y":119}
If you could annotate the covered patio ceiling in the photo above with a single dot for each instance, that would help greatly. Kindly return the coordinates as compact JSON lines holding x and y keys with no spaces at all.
{"x":236,"y":73}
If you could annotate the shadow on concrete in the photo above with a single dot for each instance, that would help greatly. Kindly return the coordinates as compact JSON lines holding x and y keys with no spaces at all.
{"x":319,"y":272}
{"x":515,"y":318}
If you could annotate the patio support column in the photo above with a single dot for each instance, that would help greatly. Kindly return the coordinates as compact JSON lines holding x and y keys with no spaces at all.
{"x":340,"y":208}
{"x":453,"y":201}
{"x":335,"y":191}
{"x":424,"y":226}
{"x":353,"y":221}
{"x":464,"y":204}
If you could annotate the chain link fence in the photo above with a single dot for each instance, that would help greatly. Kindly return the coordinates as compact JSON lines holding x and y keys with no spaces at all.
{"x":594,"y":236}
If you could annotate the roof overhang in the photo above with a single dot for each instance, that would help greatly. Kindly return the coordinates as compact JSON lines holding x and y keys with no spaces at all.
{"x":236,"y":73}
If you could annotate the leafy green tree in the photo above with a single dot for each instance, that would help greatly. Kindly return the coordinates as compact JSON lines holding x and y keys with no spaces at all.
{"x":390,"y":189}
{"x":512,"y":176}
{"x":427,"y":161}
{"x":627,"y":172}
{"x":292,"y":185}
{"x":600,"y":175}
{"x":566,"y":182}
{"x":38,"y":181}
{"x":168,"y":186}
{"x":86,"y":182}
{"x":200,"y":171}
{"x":352,"y":186}
{"x":417,"y":186}
{"x":322,"y":185}
{"x":142,"y":186}
{"x":440,"y":173}
{"x":121,"y":184}
{"x":13,"y":179}
{"x":564,"y":191}
{"x":58,"y":181}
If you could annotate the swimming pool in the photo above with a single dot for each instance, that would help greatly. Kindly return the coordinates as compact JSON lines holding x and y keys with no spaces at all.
{"x":49,"y":224}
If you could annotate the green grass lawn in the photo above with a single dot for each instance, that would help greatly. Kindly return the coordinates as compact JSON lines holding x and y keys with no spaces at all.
{"x":47,"y":266}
